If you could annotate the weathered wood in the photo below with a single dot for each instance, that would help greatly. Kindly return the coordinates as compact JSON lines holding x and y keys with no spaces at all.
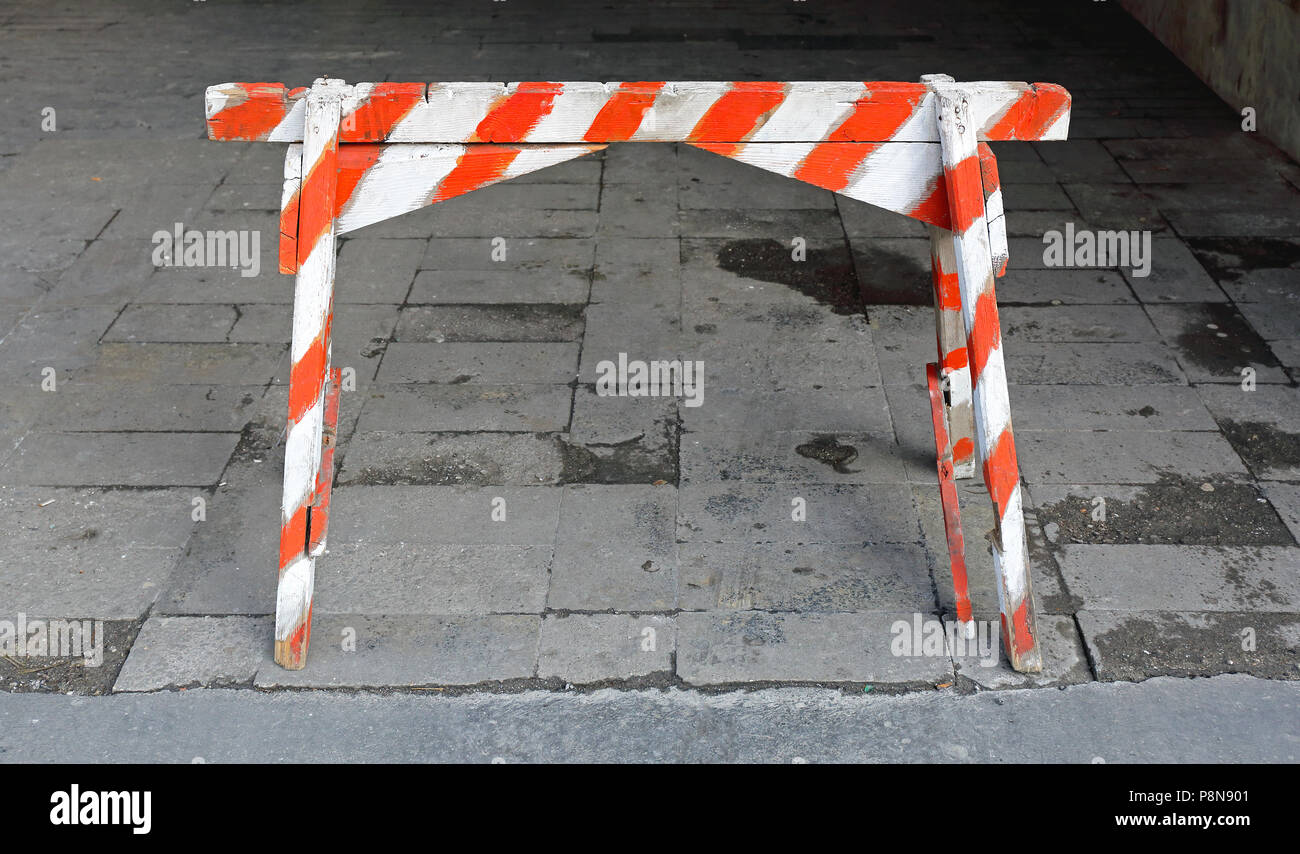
{"x":377,"y":182}
{"x":313,"y":311}
{"x":950,"y":335}
{"x":951,"y":507}
{"x":994,"y":438}
{"x":578,"y":112}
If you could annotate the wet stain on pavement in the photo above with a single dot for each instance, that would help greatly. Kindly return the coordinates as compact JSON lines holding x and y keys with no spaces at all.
{"x":1219,"y":340}
{"x":826,"y":275}
{"x":1229,"y":258}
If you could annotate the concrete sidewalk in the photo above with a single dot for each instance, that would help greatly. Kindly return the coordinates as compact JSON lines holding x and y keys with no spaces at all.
{"x":646,"y":543}
{"x":1228,"y":719}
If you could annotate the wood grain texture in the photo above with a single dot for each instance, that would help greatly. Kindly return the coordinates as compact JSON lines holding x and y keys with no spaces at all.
{"x":575,"y":112}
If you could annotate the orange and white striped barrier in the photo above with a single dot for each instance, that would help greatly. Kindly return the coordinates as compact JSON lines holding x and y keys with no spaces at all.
{"x":362,"y":153}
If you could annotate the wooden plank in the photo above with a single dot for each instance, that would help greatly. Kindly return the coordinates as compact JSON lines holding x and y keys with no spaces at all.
{"x":379,"y":181}
{"x":576,"y":112}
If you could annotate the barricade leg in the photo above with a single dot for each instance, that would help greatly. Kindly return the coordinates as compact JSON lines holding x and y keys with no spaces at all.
{"x":305,"y":482}
{"x":951,"y":508}
{"x":992,"y":409}
{"x":954,"y":367}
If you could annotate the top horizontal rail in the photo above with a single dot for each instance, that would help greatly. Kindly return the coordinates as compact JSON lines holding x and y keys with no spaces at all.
{"x":710,"y":112}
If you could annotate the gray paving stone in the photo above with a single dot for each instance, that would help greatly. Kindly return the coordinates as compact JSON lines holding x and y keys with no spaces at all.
{"x":904,"y":338}
{"x":1050,"y":407}
{"x":1069,"y":287}
{"x":229,"y":566}
{"x":480,"y":362}
{"x":1273,"y":319}
{"x":109,"y":272}
{"x":1193,"y":222}
{"x":1214,"y":342}
{"x":499,"y":286}
{"x":909,"y":409}
{"x":1064,"y":660}
{"x":1130,"y":647}
{"x":526,"y":197}
{"x":149,"y":207}
{"x":763,"y":270}
{"x":46,"y":216}
{"x":977,"y":524}
{"x":1285,"y":498}
{"x":1260,"y":426}
{"x":827,"y":410}
{"x":633,"y":571}
{"x":119,"y":459}
{"x":1125,"y":364}
{"x":1184,"y":578}
{"x":773,"y":458}
{"x":1252,"y":270}
{"x":173,"y":323}
{"x":181,"y":652}
{"x":450,"y":459}
{"x":1175,"y":276}
{"x":1260,"y":196}
{"x":778,"y":347}
{"x":804,"y":577}
{"x":534,"y":254}
{"x":88,"y":406}
{"x":1075,"y":324}
{"x":1039,"y":196}
{"x":612,"y":420}
{"x":379,"y":271}
{"x":613,"y":328}
{"x":438,"y":407}
{"x":521,"y":322}
{"x":160,"y":364}
{"x":864,"y":220}
{"x":583,"y":649}
{"x":832,"y":513}
{"x":638,"y":210}
{"x":716,"y":648}
{"x":1114,"y":206}
{"x":89,"y":553}
{"x":894,"y":270}
{"x":456,"y":218}
{"x":635,"y":162}
{"x":695,"y":165}
{"x":1075,"y":160}
{"x":59,"y":338}
{"x":781,"y":225}
{"x":444,"y":515}
{"x":264,"y":196}
{"x":760,"y":190}
{"x":413,"y":650}
{"x":1123,"y":456}
{"x":430,"y":578}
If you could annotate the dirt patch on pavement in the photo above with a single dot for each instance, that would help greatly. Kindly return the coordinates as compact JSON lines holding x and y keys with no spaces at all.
{"x":1142,"y":645}
{"x":71,"y":674}
{"x":1173,"y":510}
{"x":1263,"y":446}
{"x":827,"y":449}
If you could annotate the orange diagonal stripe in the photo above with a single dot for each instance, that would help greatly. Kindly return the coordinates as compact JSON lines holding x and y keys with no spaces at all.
{"x":622,"y":113}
